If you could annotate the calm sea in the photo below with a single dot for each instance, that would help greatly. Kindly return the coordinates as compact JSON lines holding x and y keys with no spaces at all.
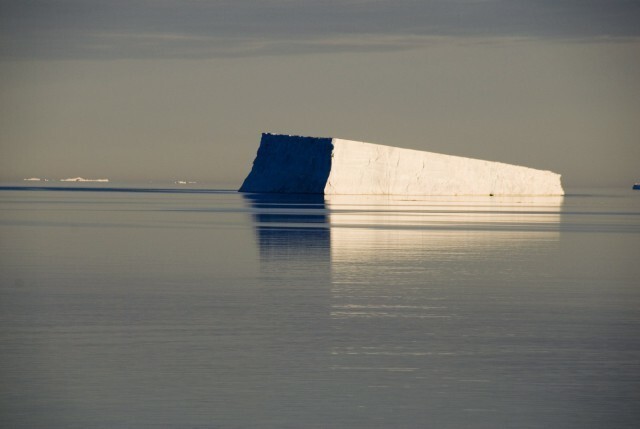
{"x":124,"y":307}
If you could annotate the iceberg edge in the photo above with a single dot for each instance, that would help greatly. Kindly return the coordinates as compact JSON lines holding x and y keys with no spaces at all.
{"x":332,"y":166}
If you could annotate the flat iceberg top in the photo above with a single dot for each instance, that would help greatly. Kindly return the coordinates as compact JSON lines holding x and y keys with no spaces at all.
{"x":297,"y":164}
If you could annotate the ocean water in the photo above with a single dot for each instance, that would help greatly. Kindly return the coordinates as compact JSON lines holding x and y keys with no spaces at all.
{"x":124,"y":307}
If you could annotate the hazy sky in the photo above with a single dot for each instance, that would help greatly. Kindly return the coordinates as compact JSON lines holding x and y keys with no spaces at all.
{"x":167,"y":89}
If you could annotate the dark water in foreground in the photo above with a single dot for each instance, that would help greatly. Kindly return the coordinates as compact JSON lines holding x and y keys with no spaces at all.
{"x":211,"y":309}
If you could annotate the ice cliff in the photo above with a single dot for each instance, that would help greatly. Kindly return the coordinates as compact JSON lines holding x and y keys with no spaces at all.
{"x":309,"y":165}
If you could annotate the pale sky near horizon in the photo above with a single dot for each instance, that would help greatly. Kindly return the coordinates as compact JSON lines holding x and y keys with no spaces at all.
{"x":168,"y":90}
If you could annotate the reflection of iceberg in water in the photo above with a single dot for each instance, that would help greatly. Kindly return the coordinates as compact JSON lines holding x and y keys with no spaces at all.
{"x":365,"y":227}
{"x":392,"y":257}
{"x":290,"y":228}
{"x":298,"y":229}
{"x":400,"y":302}
{"x":416,"y":285}
{"x":293,"y":240}
{"x":367,"y":237}
{"x":445,"y":213}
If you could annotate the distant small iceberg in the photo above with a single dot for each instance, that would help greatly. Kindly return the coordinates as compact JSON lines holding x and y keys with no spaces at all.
{"x":82,"y":179}
{"x":184,"y":182}
{"x":35,"y":179}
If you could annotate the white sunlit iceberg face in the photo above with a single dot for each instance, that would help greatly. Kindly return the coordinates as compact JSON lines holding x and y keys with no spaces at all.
{"x":370,"y":169}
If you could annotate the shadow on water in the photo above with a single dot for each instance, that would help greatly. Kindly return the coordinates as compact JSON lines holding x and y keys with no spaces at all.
{"x":291,"y":227}
{"x":288,"y":208}
{"x":293,"y":241}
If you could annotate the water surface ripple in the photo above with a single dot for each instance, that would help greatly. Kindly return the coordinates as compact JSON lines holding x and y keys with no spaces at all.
{"x":152,"y":307}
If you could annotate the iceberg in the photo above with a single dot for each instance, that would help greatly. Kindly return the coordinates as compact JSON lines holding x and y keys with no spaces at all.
{"x":332,"y":166}
{"x":82,"y":179}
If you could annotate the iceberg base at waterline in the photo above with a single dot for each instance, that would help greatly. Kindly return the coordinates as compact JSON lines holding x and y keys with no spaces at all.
{"x":331,"y":166}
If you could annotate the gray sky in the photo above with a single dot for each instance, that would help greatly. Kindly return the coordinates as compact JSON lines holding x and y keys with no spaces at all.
{"x":165,"y":90}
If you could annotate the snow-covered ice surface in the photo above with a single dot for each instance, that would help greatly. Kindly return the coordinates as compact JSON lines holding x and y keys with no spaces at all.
{"x":294,"y":164}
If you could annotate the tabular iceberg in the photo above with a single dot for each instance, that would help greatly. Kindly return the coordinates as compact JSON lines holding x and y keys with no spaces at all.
{"x":310,"y":165}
